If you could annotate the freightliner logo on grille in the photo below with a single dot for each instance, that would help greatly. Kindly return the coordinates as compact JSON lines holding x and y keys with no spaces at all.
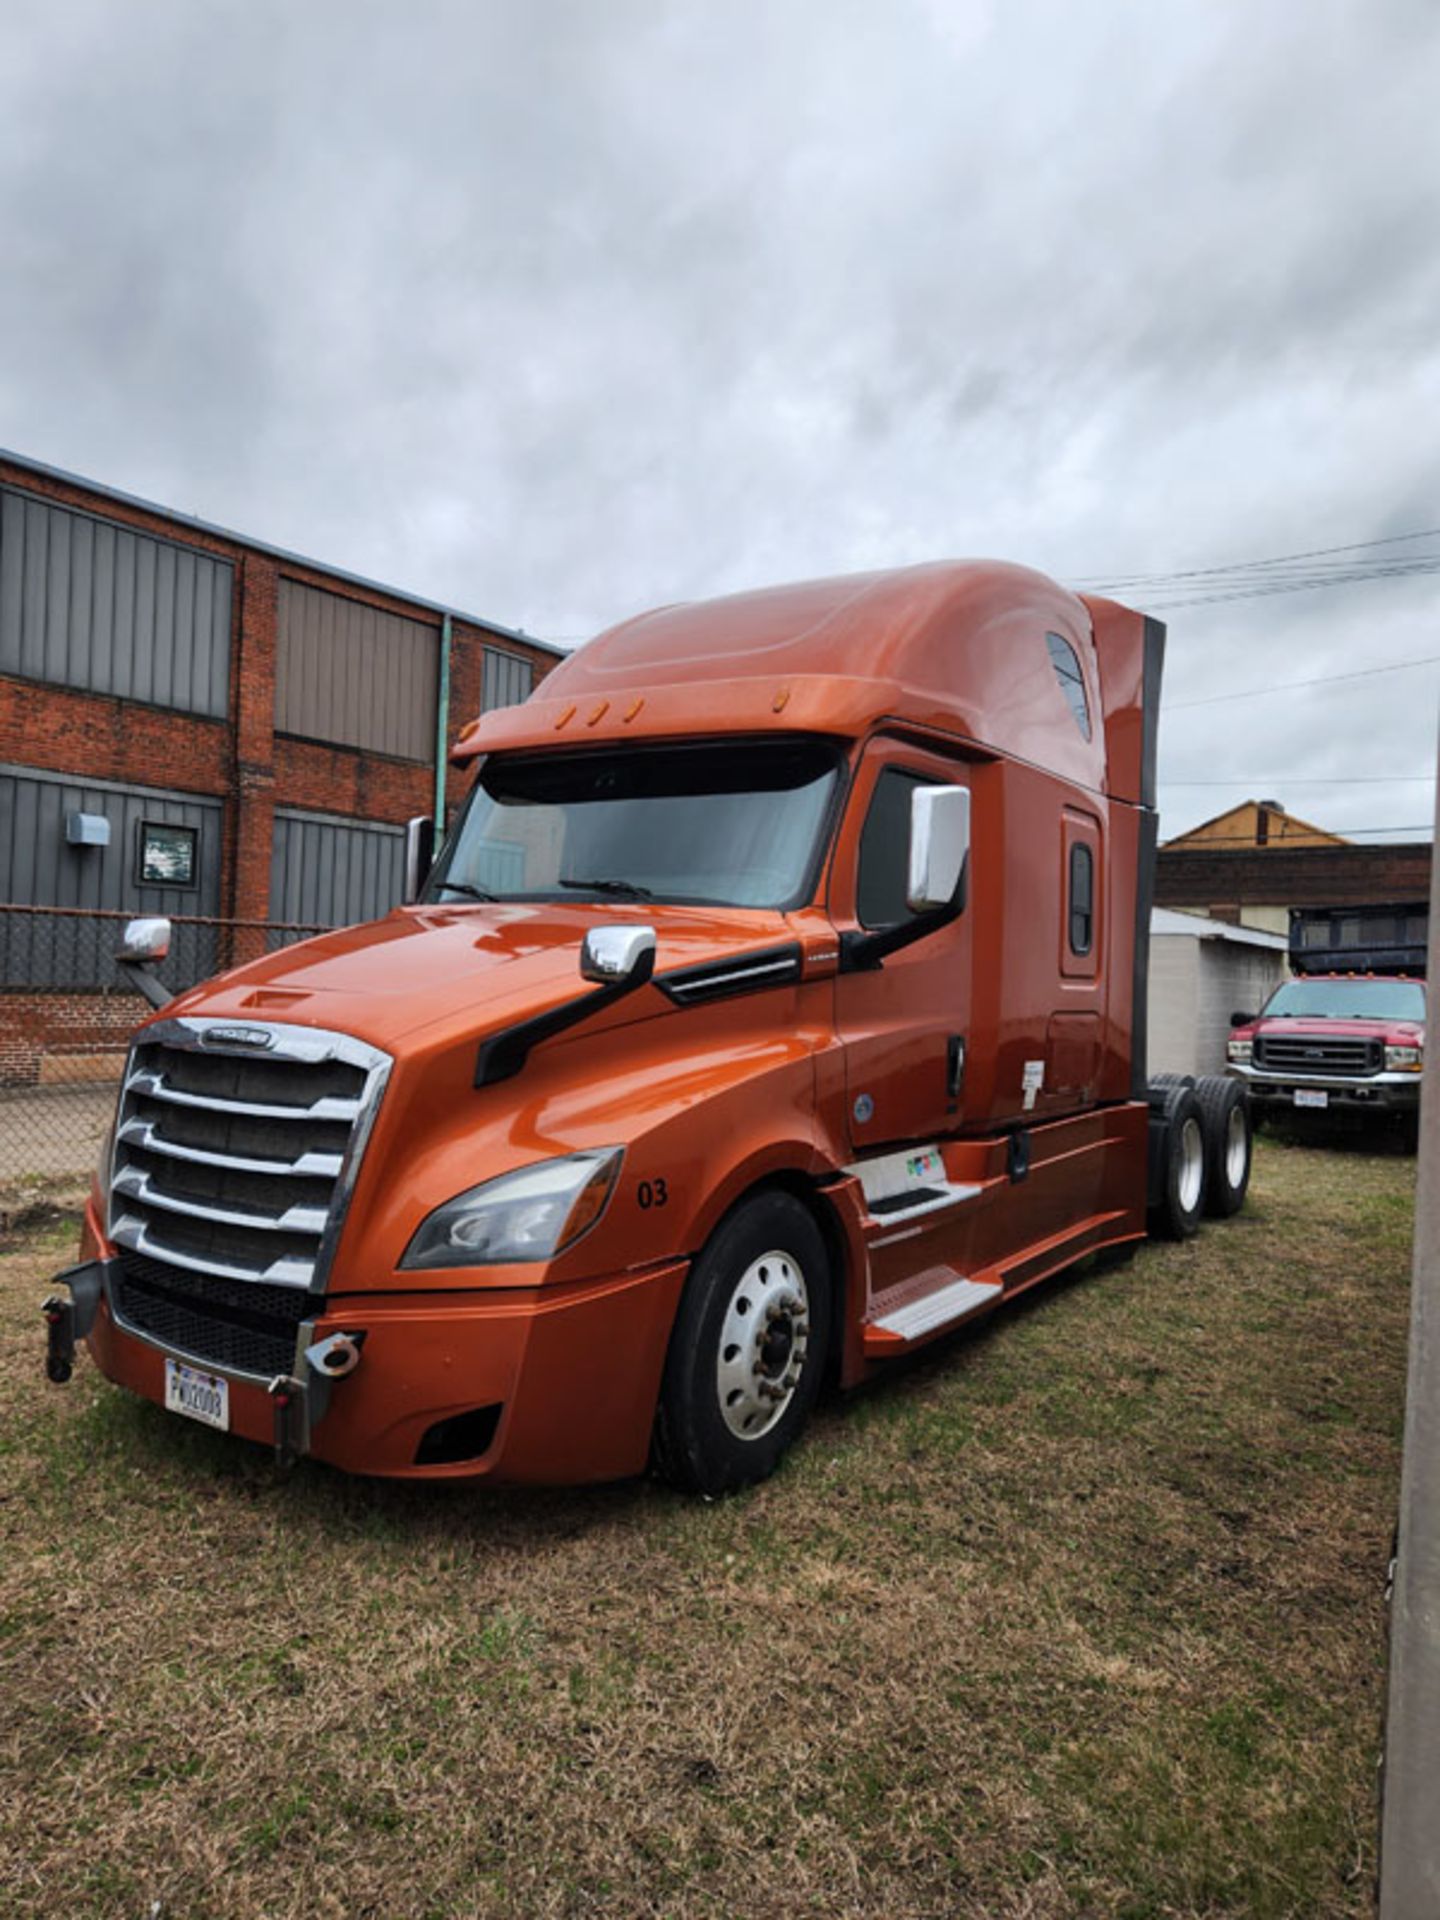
{"x":238,"y":1037}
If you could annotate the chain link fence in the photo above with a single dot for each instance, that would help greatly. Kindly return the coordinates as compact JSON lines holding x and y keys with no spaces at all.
{"x":67,"y":1012}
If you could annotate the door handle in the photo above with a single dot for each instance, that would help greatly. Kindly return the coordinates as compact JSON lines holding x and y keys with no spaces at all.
{"x":954,"y":1065}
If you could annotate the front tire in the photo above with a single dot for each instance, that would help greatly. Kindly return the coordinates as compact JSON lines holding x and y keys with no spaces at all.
{"x":748,"y":1348}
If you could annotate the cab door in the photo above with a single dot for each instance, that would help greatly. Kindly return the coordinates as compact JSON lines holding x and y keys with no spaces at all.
{"x":903,"y":1024}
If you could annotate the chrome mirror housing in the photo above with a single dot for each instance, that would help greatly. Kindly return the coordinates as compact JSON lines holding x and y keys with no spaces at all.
{"x":145,"y":940}
{"x":611,"y":954}
{"x":419,"y":854}
{"x":939,"y":847}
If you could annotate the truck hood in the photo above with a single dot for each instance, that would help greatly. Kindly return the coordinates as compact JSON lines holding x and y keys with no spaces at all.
{"x":479,"y":968}
{"x":1403,"y":1033}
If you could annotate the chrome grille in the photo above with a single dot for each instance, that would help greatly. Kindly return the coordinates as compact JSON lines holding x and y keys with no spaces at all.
{"x":235,"y":1151}
{"x":1309,"y":1054}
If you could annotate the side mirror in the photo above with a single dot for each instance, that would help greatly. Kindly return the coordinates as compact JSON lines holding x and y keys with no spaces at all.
{"x":145,"y":940}
{"x":614,"y":954}
{"x":419,"y":854}
{"x":1243,"y":1019}
{"x":939,"y":847}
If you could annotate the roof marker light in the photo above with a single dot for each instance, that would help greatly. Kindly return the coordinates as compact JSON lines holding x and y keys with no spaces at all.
{"x":567,"y":715}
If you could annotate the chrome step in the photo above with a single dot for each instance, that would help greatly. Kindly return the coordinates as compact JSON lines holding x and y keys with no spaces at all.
{"x":904,"y":1325}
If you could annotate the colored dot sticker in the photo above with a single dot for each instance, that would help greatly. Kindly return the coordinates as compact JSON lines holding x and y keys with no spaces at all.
{"x":864,"y":1109}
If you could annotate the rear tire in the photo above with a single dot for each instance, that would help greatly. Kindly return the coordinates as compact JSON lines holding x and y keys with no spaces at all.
{"x":1177,"y":1212}
{"x":1228,"y":1131}
{"x":748,"y":1348}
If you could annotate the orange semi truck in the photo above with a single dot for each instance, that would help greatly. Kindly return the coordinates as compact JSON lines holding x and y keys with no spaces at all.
{"x":775,"y":1005}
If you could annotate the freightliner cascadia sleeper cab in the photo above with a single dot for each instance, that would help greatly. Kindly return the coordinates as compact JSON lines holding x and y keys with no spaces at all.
{"x":775,"y":1004}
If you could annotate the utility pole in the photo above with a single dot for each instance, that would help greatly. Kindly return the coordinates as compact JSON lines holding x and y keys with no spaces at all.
{"x":1410,"y":1812}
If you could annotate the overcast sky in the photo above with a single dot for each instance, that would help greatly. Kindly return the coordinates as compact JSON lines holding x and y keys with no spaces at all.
{"x":558,"y":310}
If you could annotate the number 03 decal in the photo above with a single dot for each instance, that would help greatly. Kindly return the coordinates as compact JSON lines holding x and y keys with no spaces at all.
{"x":652,"y":1193}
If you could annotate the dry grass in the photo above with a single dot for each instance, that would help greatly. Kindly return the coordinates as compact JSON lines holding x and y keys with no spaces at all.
{"x":1080,"y":1616}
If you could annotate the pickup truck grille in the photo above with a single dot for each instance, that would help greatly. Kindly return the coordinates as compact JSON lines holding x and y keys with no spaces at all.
{"x":235,"y":1149}
{"x":1283,"y":1053}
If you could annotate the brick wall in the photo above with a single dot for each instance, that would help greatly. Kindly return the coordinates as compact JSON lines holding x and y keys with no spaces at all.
{"x":66,"y":1035}
{"x":1292,"y":876}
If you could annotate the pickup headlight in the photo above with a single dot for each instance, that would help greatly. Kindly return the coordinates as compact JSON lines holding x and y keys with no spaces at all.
{"x":1404,"y":1059}
{"x":1239,"y":1051}
{"x":527,"y":1215}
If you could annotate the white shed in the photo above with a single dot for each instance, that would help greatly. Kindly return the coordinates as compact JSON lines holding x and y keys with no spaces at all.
{"x":1202,"y":971}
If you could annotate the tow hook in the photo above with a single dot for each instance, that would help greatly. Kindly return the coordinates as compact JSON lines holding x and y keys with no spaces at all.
{"x":70,"y":1319}
{"x":60,"y":1347}
{"x":287,"y":1397}
{"x":337,"y":1355}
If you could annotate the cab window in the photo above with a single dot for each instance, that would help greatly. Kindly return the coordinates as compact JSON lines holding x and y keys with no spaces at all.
{"x":1066,"y":663}
{"x":885,"y":850}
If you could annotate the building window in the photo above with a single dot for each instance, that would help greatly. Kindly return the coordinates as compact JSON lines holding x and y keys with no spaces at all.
{"x":1066,"y":663}
{"x":167,"y":855}
{"x":1082,"y":898}
{"x":883,"y":876}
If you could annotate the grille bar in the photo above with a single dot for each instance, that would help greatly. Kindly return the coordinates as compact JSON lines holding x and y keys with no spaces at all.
{"x":142,"y":1133}
{"x":325,"y":1108}
{"x":137,"y":1185}
{"x":287,"y":1270}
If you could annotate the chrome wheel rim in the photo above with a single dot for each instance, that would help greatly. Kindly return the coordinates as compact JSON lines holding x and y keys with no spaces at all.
{"x":1237,"y":1148}
{"x":1192,"y":1165}
{"x":764,"y":1339}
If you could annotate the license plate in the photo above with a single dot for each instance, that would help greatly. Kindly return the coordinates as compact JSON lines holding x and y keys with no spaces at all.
{"x":199,"y":1396}
{"x":1312,"y":1097}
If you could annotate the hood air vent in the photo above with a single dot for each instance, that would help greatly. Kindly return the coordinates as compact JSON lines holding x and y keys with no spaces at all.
{"x":719,"y":979}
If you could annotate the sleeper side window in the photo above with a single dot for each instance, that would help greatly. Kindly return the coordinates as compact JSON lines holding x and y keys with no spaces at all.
{"x":1066,"y":663}
{"x":1082,"y":898}
{"x":885,"y":850}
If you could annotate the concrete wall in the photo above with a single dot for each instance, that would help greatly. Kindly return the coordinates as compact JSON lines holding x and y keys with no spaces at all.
{"x":1195,"y":985}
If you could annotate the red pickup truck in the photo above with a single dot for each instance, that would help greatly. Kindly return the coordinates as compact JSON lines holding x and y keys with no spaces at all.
{"x":1346,"y":1043}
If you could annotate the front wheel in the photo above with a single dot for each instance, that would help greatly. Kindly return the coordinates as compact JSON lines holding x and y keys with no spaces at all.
{"x":748,"y":1348}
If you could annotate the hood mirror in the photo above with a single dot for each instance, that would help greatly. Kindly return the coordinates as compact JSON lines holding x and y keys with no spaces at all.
{"x":939,"y":847}
{"x":145,"y":940}
{"x":613,"y":954}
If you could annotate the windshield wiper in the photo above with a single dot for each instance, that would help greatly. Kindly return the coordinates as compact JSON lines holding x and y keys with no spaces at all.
{"x":464,"y":886}
{"x":626,"y":889}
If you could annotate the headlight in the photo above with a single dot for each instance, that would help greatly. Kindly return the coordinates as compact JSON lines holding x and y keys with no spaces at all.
{"x":1239,"y":1051}
{"x":1404,"y":1059}
{"x":528,"y":1215}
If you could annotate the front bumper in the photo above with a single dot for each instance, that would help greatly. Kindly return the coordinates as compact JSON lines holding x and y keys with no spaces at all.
{"x":1371,"y":1092}
{"x":570,"y":1374}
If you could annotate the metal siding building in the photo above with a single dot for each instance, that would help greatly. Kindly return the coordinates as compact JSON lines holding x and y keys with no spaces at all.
{"x":86,"y":603}
{"x":332,"y":871}
{"x":221,"y":709}
{"x":350,"y":673}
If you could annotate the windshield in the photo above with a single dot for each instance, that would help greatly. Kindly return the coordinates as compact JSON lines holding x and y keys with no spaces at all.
{"x":1349,"y":1000}
{"x":736,"y":824}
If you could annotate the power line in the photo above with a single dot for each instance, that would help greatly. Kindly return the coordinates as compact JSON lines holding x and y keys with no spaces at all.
{"x":1306,"y":780}
{"x":1343,"y":833}
{"x":1248,"y":566}
{"x":1290,"y":686}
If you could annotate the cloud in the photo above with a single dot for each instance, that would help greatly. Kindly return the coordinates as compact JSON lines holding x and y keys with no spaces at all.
{"x":561,"y":311}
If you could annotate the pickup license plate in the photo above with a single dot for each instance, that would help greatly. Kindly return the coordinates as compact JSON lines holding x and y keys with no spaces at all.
{"x":1312,"y":1097}
{"x":199,"y":1396}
